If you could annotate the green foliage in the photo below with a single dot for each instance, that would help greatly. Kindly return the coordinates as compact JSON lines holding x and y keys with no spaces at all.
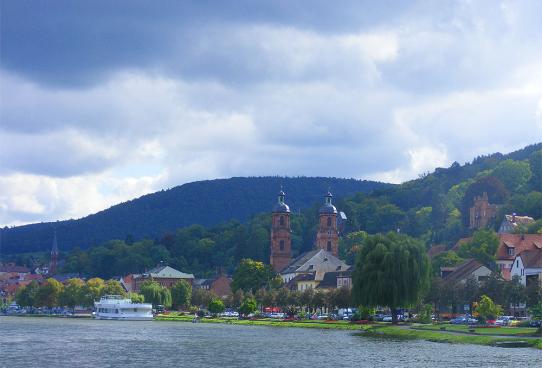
{"x":529,"y":204}
{"x":136,"y":298}
{"x":350,"y":245}
{"x":113,"y":287}
{"x":487,"y":309}
{"x":251,"y":275}
{"x":426,"y":312}
{"x":535,"y":228}
{"x":26,"y":296}
{"x":482,"y":247}
{"x":433,"y":208}
{"x":181,"y":294}
{"x":536,"y":311}
{"x":92,"y":291}
{"x":513,"y":174}
{"x":156,"y":294}
{"x":48,"y":293}
{"x":514,"y":292}
{"x":445,"y":259}
{"x":207,"y":203}
{"x":202,"y":297}
{"x":248,"y":306}
{"x":216,"y":305}
{"x":535,"y":163}
{"x":72,"y":294}
{"x":391,"y":270}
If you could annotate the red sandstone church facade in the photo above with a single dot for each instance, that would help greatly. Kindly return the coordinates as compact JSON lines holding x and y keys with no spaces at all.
{"x":327,"y":237}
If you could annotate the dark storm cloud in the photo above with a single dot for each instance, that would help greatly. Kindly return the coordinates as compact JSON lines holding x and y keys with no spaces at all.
{"x":73,"y":43}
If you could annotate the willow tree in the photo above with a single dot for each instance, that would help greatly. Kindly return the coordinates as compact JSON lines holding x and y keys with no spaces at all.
{"x":391,"y":270}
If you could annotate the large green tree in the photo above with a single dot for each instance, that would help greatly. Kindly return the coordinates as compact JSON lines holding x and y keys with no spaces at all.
{"x":181,"y":294}
{"x":156,"y":294}
{"x":49,"y":293}
{"x":216,"y":305}
{"x":72,"y":294}
{"x":113,"y":287}
{"x":251,"y":275}
{"x":391,"y":270}
{"x":26,"y":295}
{"x":482,"y":247}
{"x":92,"y":291}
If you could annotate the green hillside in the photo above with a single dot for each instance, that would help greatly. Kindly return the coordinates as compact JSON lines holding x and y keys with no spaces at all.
{"x":205,"y":203}
{"x":433,"y":208}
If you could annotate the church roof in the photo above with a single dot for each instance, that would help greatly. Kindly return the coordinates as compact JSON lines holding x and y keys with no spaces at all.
{"x":281,"y":208}
{"x":167,"y":272}
{"x":315,"y":260}
{"x":328,"y":208}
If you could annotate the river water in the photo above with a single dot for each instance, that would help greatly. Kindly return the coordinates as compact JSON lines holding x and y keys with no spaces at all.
{"x":58,"y":343}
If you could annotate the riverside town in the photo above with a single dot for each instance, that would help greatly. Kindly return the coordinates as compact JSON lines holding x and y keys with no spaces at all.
{"x":270,"y":184}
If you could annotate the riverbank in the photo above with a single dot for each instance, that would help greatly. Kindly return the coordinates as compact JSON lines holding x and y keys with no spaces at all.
{"x":335,"y":325}
{"x":48,"y":315}
{"x":420,"y":332}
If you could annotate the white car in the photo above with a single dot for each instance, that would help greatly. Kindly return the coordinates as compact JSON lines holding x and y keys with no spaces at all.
{"x":504,"y":320}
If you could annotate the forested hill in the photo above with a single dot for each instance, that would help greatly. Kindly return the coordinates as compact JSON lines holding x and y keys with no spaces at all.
{"x":204,"y":202}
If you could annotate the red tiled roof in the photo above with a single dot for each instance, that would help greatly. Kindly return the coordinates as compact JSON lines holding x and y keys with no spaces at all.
{"x":531,"y":258}
{"x":520,"y":242}
{"x":14,"y":268}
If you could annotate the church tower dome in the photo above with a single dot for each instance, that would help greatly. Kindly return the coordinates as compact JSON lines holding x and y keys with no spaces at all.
{"x":327,"y":237}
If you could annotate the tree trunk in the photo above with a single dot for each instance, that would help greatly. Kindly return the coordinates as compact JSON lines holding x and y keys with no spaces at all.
{"x":394,"y":316}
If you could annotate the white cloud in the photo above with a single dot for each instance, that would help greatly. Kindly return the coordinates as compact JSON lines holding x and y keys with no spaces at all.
{"x":389,"y":101}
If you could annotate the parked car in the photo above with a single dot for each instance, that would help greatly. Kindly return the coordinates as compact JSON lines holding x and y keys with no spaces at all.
{"x":535,"y":323}
{"x":502,"y":321}
{"x":459,"y":321}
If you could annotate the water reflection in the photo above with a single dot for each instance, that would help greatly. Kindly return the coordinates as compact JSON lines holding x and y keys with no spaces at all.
{"x":44,"y":342}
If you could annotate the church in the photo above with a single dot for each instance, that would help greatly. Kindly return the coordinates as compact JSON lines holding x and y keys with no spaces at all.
{"x":310,"y":266}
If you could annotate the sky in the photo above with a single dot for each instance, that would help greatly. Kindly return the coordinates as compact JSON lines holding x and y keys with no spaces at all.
{"x":104,"y":101}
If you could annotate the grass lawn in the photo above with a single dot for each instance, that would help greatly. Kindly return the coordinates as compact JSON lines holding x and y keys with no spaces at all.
{"x":525,"y":331}
{"x":422,"y":332}
{"x":432,"y":335}
{"x":338,"y":325}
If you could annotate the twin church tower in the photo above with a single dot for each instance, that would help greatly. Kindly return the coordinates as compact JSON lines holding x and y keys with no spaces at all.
{"x":327,"y":237}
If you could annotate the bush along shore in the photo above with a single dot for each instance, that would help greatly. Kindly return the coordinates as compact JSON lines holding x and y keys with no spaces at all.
{"x":505,"y":337}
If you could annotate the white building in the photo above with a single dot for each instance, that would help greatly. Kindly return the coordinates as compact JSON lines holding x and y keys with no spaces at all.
{"x":528,"y":266}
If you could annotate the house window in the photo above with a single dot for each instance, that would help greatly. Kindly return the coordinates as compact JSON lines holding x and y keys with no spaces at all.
{"x":329,"y":222}
{"x":510,"y":251}
{"x":281,"y":244}
{"x":329,"y":246}
{"x":281,"y":220}
{"x":517,"y":263}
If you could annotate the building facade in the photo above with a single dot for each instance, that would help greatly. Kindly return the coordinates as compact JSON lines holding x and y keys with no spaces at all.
{"x":482,"y":213}
{"x":164,"y":275}
{"x":281,"y":238}
{"x":327,"y":237}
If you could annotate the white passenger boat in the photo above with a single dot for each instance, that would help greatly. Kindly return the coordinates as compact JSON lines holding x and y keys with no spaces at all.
{"x":119,"y":308}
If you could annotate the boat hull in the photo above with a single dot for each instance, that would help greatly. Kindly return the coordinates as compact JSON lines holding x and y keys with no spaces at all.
{"x":111,"y":318}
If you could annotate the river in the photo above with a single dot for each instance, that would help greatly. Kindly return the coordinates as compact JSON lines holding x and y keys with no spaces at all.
{"x":76,"y":343}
